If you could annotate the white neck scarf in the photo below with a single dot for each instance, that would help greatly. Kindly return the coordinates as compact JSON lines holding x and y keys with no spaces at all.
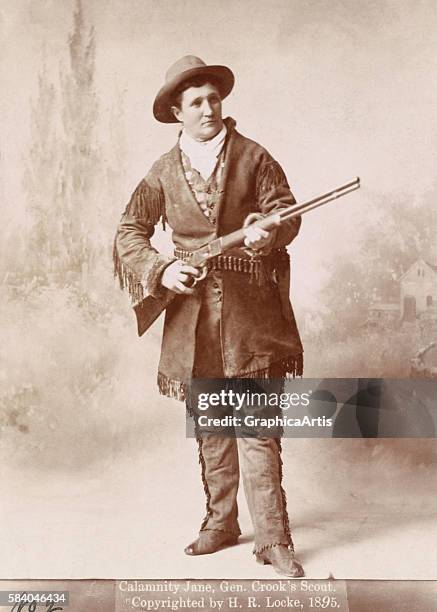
{"x":203,"y":154}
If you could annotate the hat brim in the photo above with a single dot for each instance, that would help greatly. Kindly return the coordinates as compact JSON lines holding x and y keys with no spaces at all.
{"x":163,"y":101}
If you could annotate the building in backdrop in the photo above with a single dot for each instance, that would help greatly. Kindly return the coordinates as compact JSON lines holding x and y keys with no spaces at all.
{"x":418,"y":290}
{"x":417,"y":301}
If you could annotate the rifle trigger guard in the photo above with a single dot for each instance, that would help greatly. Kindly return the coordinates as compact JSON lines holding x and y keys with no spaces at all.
{"x":252,"y":217}
{"x":204,"y":272}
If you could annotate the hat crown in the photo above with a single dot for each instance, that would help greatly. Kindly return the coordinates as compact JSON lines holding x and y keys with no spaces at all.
{"x":189,"y":67}
{"x":185,"y":63}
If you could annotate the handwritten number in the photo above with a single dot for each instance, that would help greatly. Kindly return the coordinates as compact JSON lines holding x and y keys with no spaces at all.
{"x":32,"y":607}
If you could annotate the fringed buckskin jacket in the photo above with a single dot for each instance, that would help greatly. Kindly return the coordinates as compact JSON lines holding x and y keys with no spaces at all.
{"x":259,"y":332}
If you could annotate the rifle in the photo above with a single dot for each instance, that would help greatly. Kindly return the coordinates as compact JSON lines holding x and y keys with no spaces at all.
{"x":149,"y":309}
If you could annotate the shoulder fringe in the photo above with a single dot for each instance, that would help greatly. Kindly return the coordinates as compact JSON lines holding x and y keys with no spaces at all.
{"x":147,"y":202}
{"x":288,"y":367}
{"x":270,"y":175}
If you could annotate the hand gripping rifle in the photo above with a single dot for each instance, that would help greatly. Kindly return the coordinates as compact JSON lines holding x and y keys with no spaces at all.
{"x":150,"y":308}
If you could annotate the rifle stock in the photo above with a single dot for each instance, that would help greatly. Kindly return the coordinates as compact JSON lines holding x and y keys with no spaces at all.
{"x":149,"y":309}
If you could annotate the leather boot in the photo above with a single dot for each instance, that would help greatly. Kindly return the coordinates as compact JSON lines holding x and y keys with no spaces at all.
{"x":282,"y":559}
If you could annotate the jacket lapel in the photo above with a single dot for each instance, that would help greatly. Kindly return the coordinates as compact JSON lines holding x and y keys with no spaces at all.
{"x":232,"y":154}
{"x":190,"y":204}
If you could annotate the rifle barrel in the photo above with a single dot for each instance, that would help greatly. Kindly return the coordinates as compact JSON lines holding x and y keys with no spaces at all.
{"x":275,"y":219}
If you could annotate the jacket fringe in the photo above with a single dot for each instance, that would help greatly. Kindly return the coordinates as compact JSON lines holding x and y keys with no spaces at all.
{"x":147,"y":202}
{"x":270,"y":175}
{"x":175,"y":389}
{"x":127,"y":278}
{"x":289,"y":367}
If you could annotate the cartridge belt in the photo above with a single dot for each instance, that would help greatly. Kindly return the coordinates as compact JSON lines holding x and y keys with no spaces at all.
{"x":254,"y":266}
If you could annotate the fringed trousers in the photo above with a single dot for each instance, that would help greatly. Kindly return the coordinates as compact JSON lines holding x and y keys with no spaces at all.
{"x":222,"y":456}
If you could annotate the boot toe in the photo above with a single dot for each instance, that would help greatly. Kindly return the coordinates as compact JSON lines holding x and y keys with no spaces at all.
{"x":209,"y":542}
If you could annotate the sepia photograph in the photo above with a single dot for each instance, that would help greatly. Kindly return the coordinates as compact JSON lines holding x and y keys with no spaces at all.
{"x":207,"y":204}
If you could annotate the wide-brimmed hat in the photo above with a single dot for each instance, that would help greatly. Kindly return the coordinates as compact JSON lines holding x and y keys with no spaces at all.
{"x":188,"y":67}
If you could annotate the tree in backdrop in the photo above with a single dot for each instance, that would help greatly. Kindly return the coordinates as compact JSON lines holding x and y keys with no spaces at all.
{"x":67,"y":241}
{"x":41,"y":182}
{"x":79,"y":155}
